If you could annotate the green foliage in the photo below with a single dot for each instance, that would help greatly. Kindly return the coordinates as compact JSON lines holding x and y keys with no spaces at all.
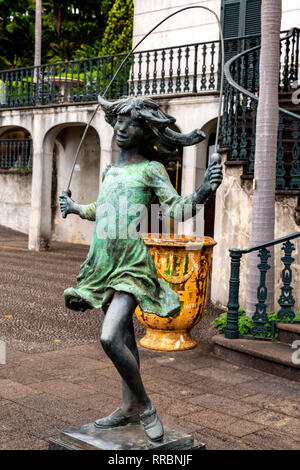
{"x":59,"y":51}
{"x":68,"y":27}
{"x":16,"y":62}
{"x":246,"y":323}
{"x":117,"y":36}
{"x":220,"y":322}
{"x":16,"y":30}
{"x":84,"y":51}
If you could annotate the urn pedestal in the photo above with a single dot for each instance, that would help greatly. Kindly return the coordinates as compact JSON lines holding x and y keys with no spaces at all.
{"x":184,"y":263}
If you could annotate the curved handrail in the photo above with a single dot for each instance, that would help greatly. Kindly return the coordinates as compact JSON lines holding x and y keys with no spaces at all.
{"x":286,"y":238}
{"x":238,"y":87}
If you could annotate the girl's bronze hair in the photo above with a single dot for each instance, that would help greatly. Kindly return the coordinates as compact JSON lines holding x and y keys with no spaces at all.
{"x":161,"y":141}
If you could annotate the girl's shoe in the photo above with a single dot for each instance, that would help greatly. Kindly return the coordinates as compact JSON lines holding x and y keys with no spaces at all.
{"x":117,"y":418}
{"x":152,"y":425}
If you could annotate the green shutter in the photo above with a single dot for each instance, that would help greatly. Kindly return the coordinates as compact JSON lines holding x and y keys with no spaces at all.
{"x":231,"y":26}
{"x":240,"y":18}
{"x":231,"y":20}
{"x":253,"y":17}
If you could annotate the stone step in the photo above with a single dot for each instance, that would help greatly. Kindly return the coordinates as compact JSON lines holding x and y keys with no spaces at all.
{"x":271,"y":357}
{"x":288,"y":333}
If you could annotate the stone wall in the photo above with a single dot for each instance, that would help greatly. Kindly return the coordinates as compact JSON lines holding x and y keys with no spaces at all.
{"x":190,"y":26}
{"x":233,"y":228}
{"x":15,"y":197}
{"x":290,"y":14}
{"x":187,"y":27}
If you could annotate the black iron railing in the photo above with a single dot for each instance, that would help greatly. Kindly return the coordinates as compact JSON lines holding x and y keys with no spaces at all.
{"x":286,"y":300}
{"x":64,"y":82}
{"x":240,"y":107}
{"x":190,"y":68}
{"x":15,"y":154}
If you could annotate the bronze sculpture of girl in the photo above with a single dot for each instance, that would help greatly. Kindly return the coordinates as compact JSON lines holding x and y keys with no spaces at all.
{"x":119,"y":272}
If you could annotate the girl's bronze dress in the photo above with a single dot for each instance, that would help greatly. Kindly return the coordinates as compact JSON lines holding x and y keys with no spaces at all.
{"x":117,"y":261}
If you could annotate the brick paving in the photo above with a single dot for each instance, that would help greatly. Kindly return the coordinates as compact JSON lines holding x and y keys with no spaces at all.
{"x":44,"y":393}
{"x":48,"y":386}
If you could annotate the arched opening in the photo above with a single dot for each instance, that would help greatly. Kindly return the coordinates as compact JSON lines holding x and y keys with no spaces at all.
{"x":16,"y":149}
{"x":85,"y":180}
{"x":174,"y":165}
{"x":174,"y":169}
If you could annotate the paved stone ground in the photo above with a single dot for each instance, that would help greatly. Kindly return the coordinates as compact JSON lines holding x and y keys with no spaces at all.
{"x":47,"y":386}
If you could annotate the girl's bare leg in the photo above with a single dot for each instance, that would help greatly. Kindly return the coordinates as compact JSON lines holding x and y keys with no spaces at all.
{"x":114,"y":336}
{"x":117,"y":339}
{"x":129,"y":405}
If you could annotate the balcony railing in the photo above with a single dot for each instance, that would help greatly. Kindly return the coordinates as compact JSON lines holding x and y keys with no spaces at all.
{"x":15,"y":154}
{"x":190,"y":68}
{"x":240,"y":108}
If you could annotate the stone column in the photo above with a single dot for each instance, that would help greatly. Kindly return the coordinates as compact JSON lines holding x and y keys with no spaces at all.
{"x":40,"y":211}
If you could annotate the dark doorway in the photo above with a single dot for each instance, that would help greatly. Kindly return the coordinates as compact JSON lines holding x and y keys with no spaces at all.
{"x":209,"y":207}
{"x":174,"y":170}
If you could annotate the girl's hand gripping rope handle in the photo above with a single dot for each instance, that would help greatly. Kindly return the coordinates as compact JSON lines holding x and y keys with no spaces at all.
{"x":64,"y":203}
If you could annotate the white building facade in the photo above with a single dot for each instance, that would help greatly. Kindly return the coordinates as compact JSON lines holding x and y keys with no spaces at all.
{"x":180,"y":69}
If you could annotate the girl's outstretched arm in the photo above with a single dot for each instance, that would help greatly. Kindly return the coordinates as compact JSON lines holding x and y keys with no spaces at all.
{"x":68,"y":206}
{"x":182,"y":207}
{"x":212,"y":179}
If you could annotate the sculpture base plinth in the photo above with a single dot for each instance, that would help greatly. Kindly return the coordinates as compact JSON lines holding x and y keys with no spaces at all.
{"x":130,"y":437}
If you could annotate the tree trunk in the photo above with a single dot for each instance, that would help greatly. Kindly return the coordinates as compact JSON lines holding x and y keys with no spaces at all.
{"x":38,"y":33}
{"x":263,"y":216}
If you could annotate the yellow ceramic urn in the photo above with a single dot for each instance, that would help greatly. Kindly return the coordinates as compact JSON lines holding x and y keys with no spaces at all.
{"x":183,"y":262}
